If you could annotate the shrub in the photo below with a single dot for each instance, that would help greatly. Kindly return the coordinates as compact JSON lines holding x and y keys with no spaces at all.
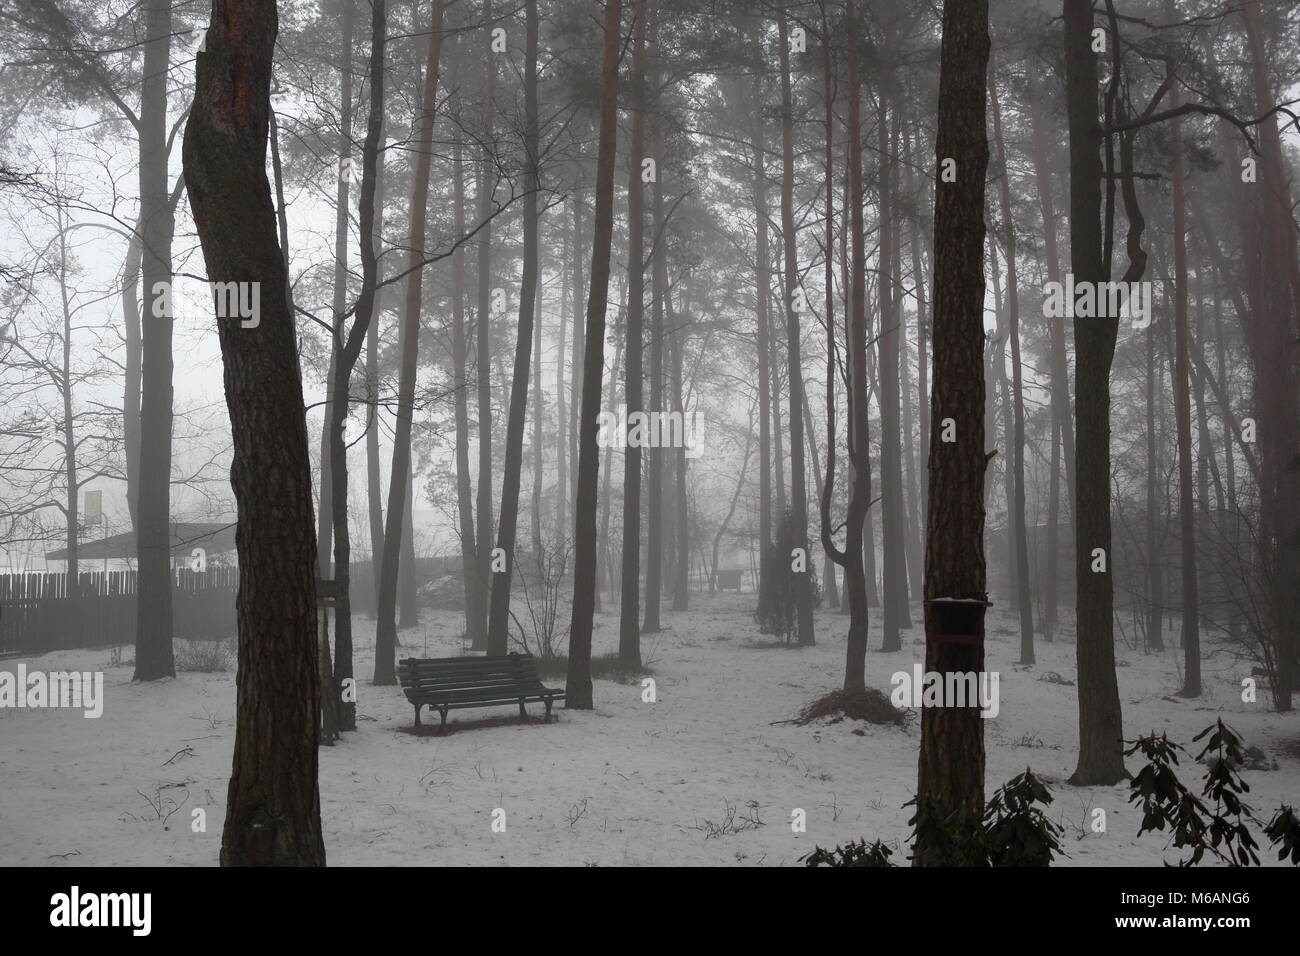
{"x":776,"y":613}
{"x":204,"y":657}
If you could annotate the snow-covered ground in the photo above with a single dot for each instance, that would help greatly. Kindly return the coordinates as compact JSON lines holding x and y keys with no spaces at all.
{"x":628,"y":783}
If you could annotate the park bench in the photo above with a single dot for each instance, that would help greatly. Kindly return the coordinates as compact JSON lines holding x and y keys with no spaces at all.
{"x":450,"y":683}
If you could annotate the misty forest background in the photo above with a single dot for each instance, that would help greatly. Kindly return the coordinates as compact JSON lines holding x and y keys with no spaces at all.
{"x":737,"y":203}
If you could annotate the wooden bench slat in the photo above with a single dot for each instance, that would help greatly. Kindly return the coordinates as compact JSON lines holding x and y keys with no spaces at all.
{"x":460,"y":682}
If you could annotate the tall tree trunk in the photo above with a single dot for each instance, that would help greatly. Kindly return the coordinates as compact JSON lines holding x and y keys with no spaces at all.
{"x":460,"y":381}
{"x":1101,"y":730}
{"x":584,"y":565}
{"x":483,"y":343}
{"x":1060,"y":395}
{"x":336,"y":406}
{"x":273,"y":803}
{"x":562,"y":435}
{"x":576,"y":358}
{"x":762,"y":282}
{"x":1017,"y":443}
{"x":1191,"y":635}
{"x":345,"y":350}
{"x":498,"y":622}
{"x":798,"y":471}
{"x":950,"y":778}
{"x":655,"y":516}
{"x":629,"y":641}
{"x":891,"y":473}
{"x":325,"y":514}
{"x":399,"y":476}
{"x":851,"y":558}
{"x":153,"y":638}
{"x":374,"y":476}
{"x":1272,"y":330}
{"x":538,"y":421}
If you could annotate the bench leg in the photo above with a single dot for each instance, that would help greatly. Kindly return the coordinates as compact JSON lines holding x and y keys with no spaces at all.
{"x":417,"y":714}
{"x":443,"y":712}
{"x":548,"y":711}
{"x":523,"y":714}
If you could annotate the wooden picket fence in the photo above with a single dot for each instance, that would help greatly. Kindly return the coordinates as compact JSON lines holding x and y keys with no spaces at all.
{"x":37,"y":615}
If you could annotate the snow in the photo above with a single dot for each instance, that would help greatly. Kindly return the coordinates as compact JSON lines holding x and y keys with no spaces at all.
{"x":628,"y":783}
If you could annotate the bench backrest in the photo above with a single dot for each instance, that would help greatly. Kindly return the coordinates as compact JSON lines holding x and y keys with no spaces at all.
{"x":460,"y":673}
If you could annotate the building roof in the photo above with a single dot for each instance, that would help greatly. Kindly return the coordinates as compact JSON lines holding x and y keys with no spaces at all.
{"x":214,"y":537}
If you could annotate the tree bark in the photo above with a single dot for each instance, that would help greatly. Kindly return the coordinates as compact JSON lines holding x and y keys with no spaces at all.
{"x":584,"y":566}
{"x":950,"y":778}
{"x":498,"y":621}
{"x":273,"y":803}
{"x":399,"y":478}
{"x":153,"y":640}
{"x":851,"y":558}
{"x":483,"y":346}
{"x":460,"y":381}
{"x":629,"y":646}
{"x":891,"y":472}
{"x":1191,"y":635}
{"x":798,"y":472}
{"x":1101,"y":731}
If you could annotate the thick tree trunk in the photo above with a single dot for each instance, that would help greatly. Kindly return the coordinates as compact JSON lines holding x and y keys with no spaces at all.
{"x":153,"y":639}
{"x":1272,"y":330}
{"x":584,"y":565}
{"x":499,"y":620}
{"x":950,"y":779}
{"x":399,"y":478}
{"x":273,"y":803}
